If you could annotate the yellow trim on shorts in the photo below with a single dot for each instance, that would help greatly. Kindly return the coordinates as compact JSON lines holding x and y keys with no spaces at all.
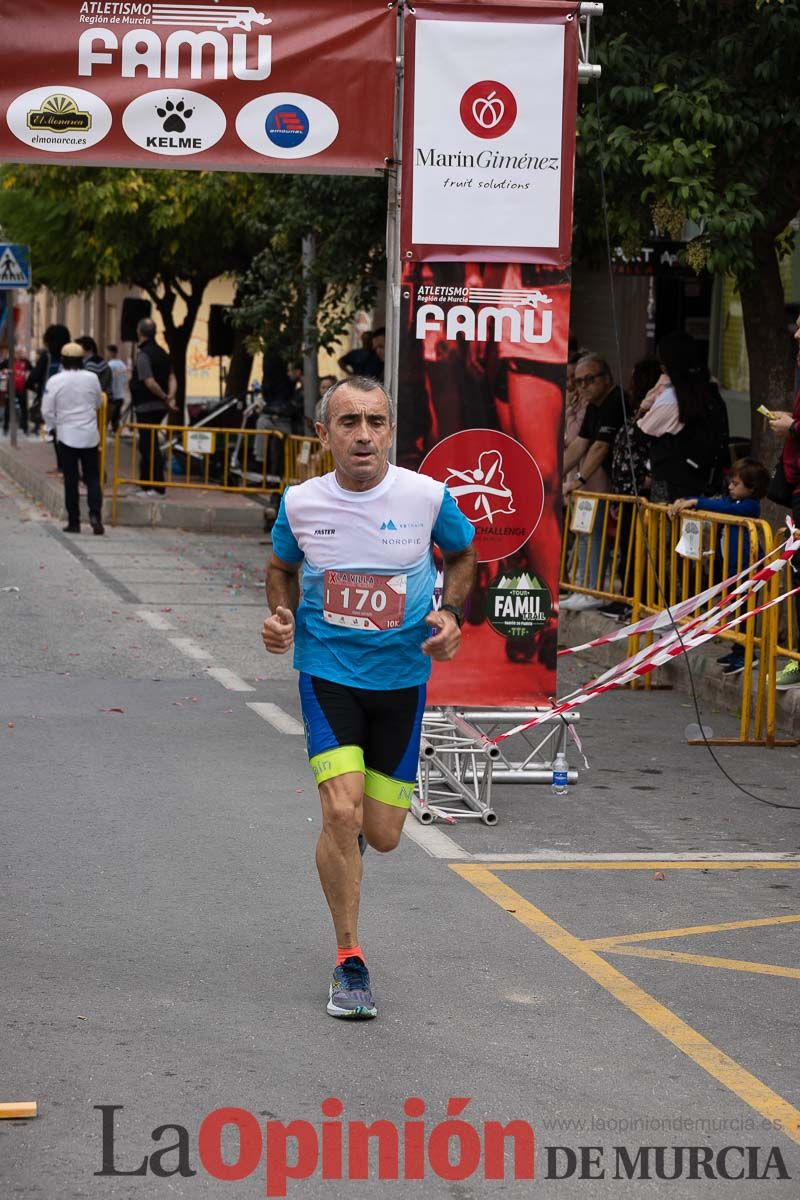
{"x":384,"y":789}
{"x":338,"y":761}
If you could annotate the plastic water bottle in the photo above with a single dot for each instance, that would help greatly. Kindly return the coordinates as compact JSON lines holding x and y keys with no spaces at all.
{"x":560,"y":776}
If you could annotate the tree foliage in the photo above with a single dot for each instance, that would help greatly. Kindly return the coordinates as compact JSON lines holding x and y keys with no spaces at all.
{"x":697,"y":118}
{"x":168,"y":233}
{"x":347,"y":217}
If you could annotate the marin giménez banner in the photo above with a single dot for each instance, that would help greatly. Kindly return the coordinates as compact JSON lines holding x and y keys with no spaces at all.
{"x":489,"y":131}
{"x":483,"y":350}
{"x":290,"y":86}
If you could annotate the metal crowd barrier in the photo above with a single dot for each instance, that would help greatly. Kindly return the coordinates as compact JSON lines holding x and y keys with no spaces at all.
{"x":598,"y":548}
{"x":305,"y":458}
{"x":248,"y":461}
{"x":651,"y":561}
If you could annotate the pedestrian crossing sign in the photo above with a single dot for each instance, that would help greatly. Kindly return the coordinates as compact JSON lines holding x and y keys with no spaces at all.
{"x":15,"y":266}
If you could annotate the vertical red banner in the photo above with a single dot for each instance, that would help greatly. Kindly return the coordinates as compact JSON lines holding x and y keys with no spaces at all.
{"x":482,"y":363}
{"x":486,"y":227}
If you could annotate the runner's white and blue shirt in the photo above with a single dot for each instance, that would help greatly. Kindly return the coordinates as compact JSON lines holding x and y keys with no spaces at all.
{"x":368,"y":574}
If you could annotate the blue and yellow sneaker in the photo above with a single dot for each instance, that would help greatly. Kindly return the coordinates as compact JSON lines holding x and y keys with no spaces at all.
{"x":349,"y":994}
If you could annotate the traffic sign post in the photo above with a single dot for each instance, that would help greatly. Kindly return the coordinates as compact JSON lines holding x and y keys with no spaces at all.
{"x":15,"y":272}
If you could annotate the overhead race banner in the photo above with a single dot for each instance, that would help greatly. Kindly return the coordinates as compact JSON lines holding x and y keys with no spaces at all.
{"x":289,"y":86}
{"x":483,"y":352}
{"x":489,"y":131}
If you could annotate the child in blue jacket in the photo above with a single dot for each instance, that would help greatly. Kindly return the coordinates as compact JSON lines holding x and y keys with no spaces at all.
{"x":747,"y":485}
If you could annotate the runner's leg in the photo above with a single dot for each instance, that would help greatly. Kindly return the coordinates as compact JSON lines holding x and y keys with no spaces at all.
{"x":338,"y":859}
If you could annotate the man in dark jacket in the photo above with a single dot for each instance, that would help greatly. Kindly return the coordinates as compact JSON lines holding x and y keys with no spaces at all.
{"x":153,"y":388}
{"x":93,"y":361}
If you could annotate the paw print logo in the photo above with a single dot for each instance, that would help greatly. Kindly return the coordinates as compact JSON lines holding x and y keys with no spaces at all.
{"x":174,"y":116}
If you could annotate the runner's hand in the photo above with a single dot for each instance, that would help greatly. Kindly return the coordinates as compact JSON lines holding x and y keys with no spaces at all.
{"x":277,"y":632}
{"x":443,"y":645}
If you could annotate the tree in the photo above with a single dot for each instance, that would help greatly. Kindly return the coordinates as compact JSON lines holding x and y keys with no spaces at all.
{"x":697,"y":119}
{"x":348,"y":219}
{"x":168,"y":233}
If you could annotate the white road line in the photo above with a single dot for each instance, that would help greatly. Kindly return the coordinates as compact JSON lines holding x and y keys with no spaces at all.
{"x":229,"y":679}
{"x":276,"y":717}
{"x":433,"y":841}
{"x":154,"y":619}
{"x":189,"y":647}
{"x":545,"y":856}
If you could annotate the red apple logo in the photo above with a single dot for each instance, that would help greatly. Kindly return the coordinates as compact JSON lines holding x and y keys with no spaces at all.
{"x":488,"y":109}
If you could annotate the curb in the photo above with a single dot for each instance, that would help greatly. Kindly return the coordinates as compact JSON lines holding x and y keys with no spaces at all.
{"x":711,"y":686}
{"x":142,"y":513}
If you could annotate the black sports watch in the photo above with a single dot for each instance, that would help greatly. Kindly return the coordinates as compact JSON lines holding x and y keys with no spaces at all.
{"x":457,"y":612}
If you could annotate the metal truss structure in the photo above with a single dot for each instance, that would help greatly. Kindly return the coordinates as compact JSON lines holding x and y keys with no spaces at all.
{"x":460,"y":762}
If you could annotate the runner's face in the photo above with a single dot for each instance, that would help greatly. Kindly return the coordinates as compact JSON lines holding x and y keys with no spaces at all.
{"x":359,"y":436}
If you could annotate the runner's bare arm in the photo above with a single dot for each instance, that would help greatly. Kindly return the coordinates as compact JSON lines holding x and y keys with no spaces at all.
{"x":283,"y":596}
{"x":459,"y":576}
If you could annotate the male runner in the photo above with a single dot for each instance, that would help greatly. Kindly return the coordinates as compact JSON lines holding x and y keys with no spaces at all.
{"x":364,"y":634}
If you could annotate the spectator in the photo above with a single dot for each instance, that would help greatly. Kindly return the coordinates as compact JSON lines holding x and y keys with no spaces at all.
{"x":574,"y":409}
{"x":70,"y":403}
{"x":590,"y":452}
{"x":119,"y":382}
{"x":686,"y":418}
{"x":47,"y":364}
{"x":153,"y":388}
{"x":21,"y":369}
{"x":630,"y":476}
{"x":379,"y":350}
{"x":93,"y":361}
{"x":788,"y":425}
{"x":325,"y":382}
{"x":747,"y":486}
{"x":363,"y":361}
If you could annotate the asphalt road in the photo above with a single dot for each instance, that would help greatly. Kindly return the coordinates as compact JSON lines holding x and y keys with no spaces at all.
{"x":166,"y":947}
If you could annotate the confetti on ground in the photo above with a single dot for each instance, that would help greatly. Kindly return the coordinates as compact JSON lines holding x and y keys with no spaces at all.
{"x":110,"y":710}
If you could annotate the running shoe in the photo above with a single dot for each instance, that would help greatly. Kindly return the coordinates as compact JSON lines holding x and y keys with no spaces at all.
{"x":736,"y":666}
{"x":789,"y":677}
{"x":349,"y":994}
{"x":726,"y":658}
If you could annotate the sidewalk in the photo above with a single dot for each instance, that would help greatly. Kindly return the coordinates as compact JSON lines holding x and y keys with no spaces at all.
{"x":199,"y":510}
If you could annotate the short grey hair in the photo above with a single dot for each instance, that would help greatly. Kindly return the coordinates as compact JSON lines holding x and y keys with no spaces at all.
{"x":358,"y":383}
{"x":586,"y":359}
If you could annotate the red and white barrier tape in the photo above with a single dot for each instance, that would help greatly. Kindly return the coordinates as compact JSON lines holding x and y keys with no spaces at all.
{"x":676,"y":641}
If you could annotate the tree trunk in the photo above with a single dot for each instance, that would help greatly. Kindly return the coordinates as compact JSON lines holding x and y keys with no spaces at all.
{"x":177,"y":336}
{"x":768,"y":344}
{"x":239,"y":368}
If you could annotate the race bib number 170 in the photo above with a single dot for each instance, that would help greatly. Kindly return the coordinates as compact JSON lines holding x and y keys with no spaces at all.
{"x":360,"y":600}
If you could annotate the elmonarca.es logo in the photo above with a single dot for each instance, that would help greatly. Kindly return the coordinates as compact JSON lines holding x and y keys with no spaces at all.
{"x":59,"y":119}
{"x":488,"y":109}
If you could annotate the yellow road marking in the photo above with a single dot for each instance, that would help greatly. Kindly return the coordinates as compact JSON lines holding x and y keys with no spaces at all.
{"x":608,"y":943}
{"x":706,"y":960}
{"x":658,"y":864}
{"x":719,"y":1065}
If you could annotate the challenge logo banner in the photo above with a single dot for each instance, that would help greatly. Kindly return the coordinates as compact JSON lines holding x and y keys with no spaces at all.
{"x":489,"y":132}
{"x":281,"y":86}
{"x":483,"y":355}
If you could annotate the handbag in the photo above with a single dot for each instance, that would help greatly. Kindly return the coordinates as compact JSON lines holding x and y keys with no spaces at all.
{"x":780,"y":491}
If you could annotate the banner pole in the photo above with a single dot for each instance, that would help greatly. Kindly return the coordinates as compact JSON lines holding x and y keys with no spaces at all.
{"x":11,"y":391}
{"x":393,"y":266}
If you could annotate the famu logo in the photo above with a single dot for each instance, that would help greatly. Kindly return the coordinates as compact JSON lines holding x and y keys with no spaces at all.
{"x":519,"y":604}
{"x":60,"y":114}
{"x":489,"y":314}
